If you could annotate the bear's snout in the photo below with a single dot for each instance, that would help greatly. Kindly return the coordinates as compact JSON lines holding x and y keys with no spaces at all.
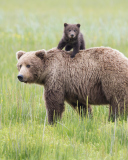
{"x":72,"y":35}
{"x":20,"y":77}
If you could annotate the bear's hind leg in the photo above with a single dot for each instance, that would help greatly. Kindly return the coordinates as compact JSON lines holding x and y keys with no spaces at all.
{"x":82,"y":46}
{"x":68,"y":48}
{"x":118,"y":110}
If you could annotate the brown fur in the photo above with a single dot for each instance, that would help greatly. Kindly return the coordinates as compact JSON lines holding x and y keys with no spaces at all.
{"x":72,"y":38}
{"x":100,"y":73}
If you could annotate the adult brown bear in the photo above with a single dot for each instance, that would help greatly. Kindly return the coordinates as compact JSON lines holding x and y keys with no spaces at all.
{"x":98,"y":74}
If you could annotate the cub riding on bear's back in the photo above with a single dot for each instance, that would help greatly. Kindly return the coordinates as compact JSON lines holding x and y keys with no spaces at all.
{"x":72,"y":38}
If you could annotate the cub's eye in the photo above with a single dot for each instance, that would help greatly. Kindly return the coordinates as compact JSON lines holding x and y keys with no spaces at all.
{"x":20,"y":66}
{"x":74,"y":30}
{"x":69,"y":30}
{"x":28,"y":66}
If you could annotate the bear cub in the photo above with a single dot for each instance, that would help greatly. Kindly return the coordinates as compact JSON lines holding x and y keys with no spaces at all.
{"x":72,"y":38}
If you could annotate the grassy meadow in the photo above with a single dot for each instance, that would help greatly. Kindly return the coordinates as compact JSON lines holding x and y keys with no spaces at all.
{"x":24,"y":130}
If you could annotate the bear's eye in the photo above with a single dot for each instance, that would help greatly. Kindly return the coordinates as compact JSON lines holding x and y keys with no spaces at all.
{"x":28,"y":66}
{"x":74,"y":30}
{"x":20,"y":66}
{"x":69,"y":30}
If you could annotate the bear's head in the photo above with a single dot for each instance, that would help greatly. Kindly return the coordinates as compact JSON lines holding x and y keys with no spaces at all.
{"x":30,"y":66}
{"x":71,"y":30}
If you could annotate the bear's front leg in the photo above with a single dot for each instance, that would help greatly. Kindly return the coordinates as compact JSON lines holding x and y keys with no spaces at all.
{"x":54,"y":104}
{"x":61,"y":44}
{"x":76,"y":49}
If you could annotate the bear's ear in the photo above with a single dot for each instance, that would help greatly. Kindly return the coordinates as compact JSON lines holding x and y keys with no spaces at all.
{"x":65,"y":24}
{"x":78,"y":25}
{"x":41,"y":53}
{"x":19,"y":54}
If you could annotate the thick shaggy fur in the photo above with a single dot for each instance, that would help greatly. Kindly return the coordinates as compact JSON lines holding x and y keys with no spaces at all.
{"x":100,"y":73}
{"x":72,"y":38}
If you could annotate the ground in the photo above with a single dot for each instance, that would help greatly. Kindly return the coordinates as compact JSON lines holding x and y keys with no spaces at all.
{"x":24,"y":131}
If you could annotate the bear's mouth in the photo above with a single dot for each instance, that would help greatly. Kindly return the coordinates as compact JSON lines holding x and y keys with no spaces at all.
{"x":72,"y":38}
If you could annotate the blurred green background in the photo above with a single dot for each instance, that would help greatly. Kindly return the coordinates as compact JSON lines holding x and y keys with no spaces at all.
{"x":24,"y":132}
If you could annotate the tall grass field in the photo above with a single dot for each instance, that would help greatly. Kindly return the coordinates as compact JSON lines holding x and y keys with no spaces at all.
{"x":24,"y":130}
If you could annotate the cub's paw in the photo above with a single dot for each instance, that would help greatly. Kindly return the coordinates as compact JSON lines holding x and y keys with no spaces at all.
{"x":72,"y":56}
{"x":59,"y":49}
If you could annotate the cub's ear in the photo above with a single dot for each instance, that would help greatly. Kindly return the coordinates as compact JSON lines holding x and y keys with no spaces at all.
{"x":41,"y":53}
{"x":19,"y":54}
{"x":65,"y":24}
{"x":78,"y":25}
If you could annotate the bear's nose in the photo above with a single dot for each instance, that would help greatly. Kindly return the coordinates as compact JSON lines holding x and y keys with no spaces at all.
{"x":72,"y":35}
{"x":20,"y":77}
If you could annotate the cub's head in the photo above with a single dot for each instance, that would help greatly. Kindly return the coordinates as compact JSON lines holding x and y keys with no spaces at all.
{"x":30,"y":65}
{"x":71,"y":30}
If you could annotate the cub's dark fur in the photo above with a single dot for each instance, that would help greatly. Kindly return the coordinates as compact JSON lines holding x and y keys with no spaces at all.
{"x":72,"y":38}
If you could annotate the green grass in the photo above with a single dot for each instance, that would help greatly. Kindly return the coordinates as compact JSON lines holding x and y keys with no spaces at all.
{"x":24,"y":130}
